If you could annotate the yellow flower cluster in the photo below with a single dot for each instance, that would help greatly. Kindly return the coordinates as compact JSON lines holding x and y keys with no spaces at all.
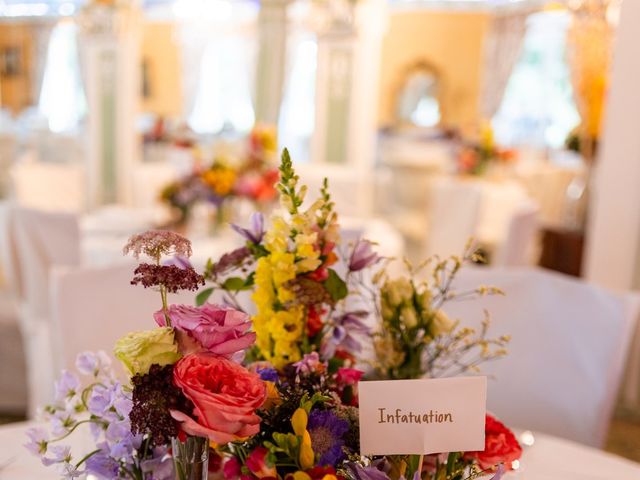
{"x":220,"y":179}
{"x":281,"y":327}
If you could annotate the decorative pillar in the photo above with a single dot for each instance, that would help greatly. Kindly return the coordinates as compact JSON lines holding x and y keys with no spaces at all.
{"x":270,"y":74}
{"x":349,"y":43}
{"x":109,"y":46}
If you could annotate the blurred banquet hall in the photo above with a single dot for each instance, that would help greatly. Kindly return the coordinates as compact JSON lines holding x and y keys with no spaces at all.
{"x":508,"y":122}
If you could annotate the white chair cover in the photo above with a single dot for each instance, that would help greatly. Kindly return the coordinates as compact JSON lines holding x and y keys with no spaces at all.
{"x":49,"y":186}
{"x":567,"y":354}
{"x":12,"y":361}
{"x":518,"y":247}
{"x":44,"y":240}
{"x":92,"y":307}
{"x":454,"y":210}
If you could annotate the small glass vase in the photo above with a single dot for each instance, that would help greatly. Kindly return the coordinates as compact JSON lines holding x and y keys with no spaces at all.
{"x":191,"y":458}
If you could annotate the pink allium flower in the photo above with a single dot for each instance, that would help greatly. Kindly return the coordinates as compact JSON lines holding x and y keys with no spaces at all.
{"x":156,"y":243}
{"x":216,"y":328}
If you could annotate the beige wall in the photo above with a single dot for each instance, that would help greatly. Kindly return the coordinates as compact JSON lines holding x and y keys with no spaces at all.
{"x":452,"y":43}
{"x":16,"y":91}
{"x":162,"y":57}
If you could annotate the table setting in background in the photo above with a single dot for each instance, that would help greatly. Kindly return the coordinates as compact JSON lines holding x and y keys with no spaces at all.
{"x":215,"y":392}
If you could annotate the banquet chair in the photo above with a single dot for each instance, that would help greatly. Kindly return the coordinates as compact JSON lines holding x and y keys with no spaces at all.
{"x":12,"y":362}
{"x":567,"y":354}
{"x":518,"y":247}
{"x":453,"y":216}
{"x":92,"y":307}
{"x":48,"y":186}
{"x":44,"y":240}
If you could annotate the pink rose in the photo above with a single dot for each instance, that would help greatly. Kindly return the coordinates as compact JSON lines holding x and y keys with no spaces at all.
{"x":349,"y":376}
{"x":225,"y":398}
{"x":216,"y":328}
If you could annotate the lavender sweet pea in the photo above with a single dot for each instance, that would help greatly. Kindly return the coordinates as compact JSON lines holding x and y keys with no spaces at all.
{"x":216,"y":328}
{"x":255,"y":233}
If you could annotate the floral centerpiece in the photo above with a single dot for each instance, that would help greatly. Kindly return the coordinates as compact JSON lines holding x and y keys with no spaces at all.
{"x":275,"y":394}
{"x":251,"y":177}
{"x":475,"y":157}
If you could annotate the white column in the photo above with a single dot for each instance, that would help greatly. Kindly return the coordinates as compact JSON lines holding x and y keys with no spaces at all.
{"x":270,"y":74}
{"x":109,"y":45}
{"x":613,"y":233}
{"x":349,"y":44}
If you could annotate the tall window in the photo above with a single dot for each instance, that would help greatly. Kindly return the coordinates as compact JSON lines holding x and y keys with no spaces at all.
{"x":538,"y":108}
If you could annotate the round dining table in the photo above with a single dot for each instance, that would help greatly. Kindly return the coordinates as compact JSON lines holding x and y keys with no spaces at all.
{"x":544,"y":458}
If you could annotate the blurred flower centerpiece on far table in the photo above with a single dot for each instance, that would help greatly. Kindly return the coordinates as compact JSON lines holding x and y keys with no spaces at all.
{"x":251,"y":176}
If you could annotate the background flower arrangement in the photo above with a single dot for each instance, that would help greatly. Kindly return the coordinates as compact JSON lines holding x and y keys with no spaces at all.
{"x":474,"y":158}
{"x":273,"y":395}
{"x":251,"y":177}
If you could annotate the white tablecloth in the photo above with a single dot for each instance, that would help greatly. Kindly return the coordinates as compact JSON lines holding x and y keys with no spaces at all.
{"x":549,"y":458}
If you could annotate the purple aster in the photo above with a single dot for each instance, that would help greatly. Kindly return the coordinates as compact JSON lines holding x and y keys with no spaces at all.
{"x":268,"y":374}
{"x":363,"y":256}
{"x":327,"y":431}
{"x":255,"y":233}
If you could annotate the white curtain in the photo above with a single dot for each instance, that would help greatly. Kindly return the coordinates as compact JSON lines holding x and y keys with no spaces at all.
{"x":502,"y":47}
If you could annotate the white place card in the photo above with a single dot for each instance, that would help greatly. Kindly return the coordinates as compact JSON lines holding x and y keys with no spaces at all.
{"x":419,"y":417}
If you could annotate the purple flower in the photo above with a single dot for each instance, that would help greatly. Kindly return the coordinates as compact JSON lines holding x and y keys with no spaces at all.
{"x":363,"y":256}
{"x":345,"y":333}
{"x":327,"y":431}
{"x":160,"y":467}
{"x":100,"y":400}
{"x":310,"y":363}
{"x":216,"y":328}
{"x":255,"y":233}
{"x":499,"y":472}
{"x":178,"y":261}
{"x":268,"y":374}
{"x":89,"y":363}
{"x":358,"y":472}
{"x":39,"y":441}
{"x":60,"y":454}
{"x":68,"y":471}
{"x":102,"y":465}
{"x":67,"y":386}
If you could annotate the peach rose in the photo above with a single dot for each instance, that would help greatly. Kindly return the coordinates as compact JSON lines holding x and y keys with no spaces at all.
{"x":225,"y":397}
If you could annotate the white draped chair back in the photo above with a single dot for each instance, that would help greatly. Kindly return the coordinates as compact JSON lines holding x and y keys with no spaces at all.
{"x":567,"y":353}
{"x":9,"y":271}
{"x":92,"y":307}
{"x":49,"y":186}
{"x":454,"y":211}
{"x":12,"y":361}
{"x":44,"y":241}
{"x":518,"y":247}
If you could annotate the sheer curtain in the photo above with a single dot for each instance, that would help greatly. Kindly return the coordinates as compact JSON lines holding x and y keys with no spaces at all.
{"x":218,"y":51}
{"x":62,"y":100}
{"x":502,"y":48}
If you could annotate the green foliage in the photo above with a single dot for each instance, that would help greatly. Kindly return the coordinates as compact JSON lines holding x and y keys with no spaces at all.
{"x":335,"y":286}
